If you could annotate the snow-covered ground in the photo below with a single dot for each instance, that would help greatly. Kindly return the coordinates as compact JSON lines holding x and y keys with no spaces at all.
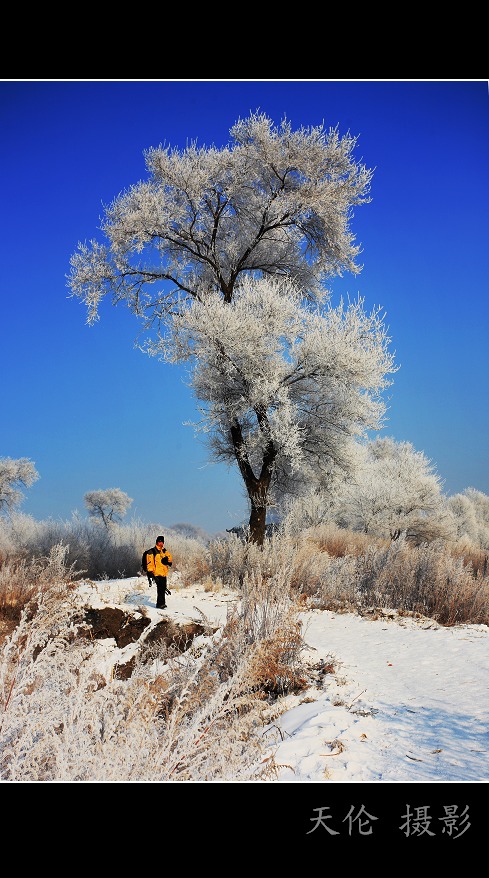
{"x":395,"y":699}
{"x":408,"y":701}
{"x":389,"y":745}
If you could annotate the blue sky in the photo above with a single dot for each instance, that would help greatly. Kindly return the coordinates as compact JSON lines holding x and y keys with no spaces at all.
{"x":84,"y":403}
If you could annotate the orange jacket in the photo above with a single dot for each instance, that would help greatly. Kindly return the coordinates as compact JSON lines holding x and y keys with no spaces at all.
{"x":155,"y":564}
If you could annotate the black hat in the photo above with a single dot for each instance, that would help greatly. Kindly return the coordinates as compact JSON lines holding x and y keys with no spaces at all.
{"x":159,"y":540}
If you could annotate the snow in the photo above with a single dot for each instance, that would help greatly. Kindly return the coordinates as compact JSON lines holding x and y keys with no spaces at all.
{"x":389,"y":746}
{"x":407,"y":702}
{"x":397,"y":699}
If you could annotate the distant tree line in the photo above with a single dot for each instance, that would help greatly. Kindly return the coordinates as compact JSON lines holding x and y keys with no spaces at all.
{"x":392,"y":490}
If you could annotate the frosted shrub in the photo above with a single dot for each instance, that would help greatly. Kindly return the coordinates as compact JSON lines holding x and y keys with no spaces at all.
{"x":198,"y":718}
{"x":429,"y":580}
{"x":475,"y":559}
{"x":190,"y":557}
{"x":424,"y":579}
{"x":338,"y":541}
{"x":226,"y":558}
{"x":337,"y":584}
{"x":20,"y":580}
{"x":17,"y":534}
{"x":304,"y":560}
{"x":265,"y":602}
{"x":332,"y":568}
{"x":232,"y":559}
{"x":313,"y":571}
{"x":268,"y":620}
{"x":28,"y":538}
{"x":96,"y":551}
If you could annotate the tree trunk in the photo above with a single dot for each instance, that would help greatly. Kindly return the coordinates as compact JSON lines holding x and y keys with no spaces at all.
{"x":257,"y":488}
{"x":258,"y":496}
{"x":258,"y":520}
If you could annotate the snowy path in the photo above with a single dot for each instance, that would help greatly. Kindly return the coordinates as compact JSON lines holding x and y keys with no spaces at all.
{"x":406,"y":704}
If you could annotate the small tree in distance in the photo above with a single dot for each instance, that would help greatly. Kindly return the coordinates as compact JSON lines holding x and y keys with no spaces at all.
{"x":224,"y":254}
{"x":12,"y":474}
{"x":109,"y":505}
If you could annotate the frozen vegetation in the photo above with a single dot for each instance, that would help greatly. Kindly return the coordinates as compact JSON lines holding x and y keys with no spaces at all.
{"x":192,"y":706}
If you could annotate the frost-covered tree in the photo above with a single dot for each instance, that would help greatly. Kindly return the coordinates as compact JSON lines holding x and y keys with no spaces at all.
{"x":470,"y":509}
{"x":284,"y":389}
{"x":109,"y":505}
{"x":190,"y":531}
{"x":13,"y":474}
{"x":201,"y":251}
{"x":395,"y":489}
{"x":310,"y":508}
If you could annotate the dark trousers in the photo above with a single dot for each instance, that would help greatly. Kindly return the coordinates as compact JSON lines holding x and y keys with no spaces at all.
{"x":161,"y":586}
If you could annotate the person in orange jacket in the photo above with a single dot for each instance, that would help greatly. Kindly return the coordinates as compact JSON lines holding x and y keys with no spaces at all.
{"x":158,"y":561}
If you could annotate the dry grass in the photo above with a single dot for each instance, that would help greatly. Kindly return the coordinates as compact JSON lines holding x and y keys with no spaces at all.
{"x":275,"y":668}
{"x":338,"y":542}
{"x":334,"y":569}
{"x":476,"y":559}
{"x":192,"y":716}
{"x":199,"y":715}
{"x":21,"y":580}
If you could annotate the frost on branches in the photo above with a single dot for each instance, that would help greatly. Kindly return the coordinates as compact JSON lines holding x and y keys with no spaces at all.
{"x":391,"y":489}
{"x":395,"y":490}
{"x":108,"y":505}
{"x":13,"y":474}
{"x":284,"y":390}
{"x":224,"y":255}
{"x":470,"y":511}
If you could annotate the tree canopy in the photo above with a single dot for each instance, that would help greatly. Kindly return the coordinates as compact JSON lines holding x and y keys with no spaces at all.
{"x":109,"y":504}
{"x":395,"y":490}
{"x":273,"y":202}
{"x":13,"y":474}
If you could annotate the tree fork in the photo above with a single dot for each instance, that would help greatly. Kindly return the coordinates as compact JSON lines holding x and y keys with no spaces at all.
{"x":257,"y":488}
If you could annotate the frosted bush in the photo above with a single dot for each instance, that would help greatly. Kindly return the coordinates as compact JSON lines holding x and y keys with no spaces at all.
{"x":199,"y":717}
{"x":234,"y":558}
{"x":96,"y":551}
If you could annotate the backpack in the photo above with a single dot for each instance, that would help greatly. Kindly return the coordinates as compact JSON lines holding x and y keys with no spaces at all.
{"x":144,"y":564}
